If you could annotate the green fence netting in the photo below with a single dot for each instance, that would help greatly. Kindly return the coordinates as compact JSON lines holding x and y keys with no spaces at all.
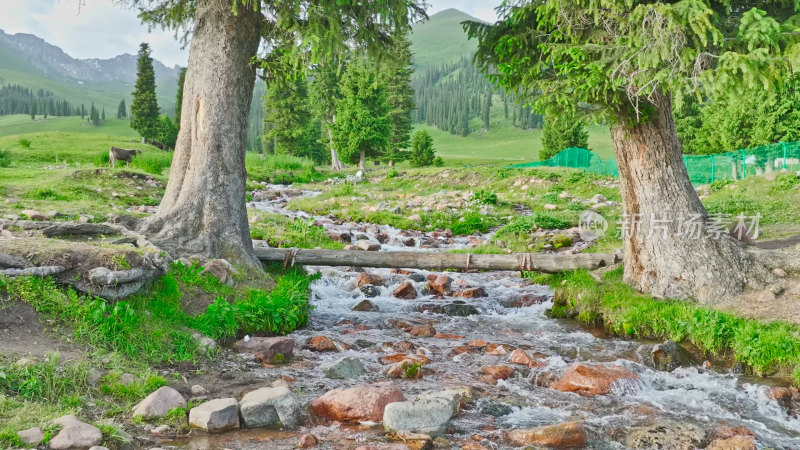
{"x":703,"y":169}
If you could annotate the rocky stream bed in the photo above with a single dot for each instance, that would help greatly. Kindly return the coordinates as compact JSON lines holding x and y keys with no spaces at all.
{"x":471,"y":361}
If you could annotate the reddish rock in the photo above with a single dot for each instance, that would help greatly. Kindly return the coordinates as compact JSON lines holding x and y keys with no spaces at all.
{"x":461,"y":349}
{"x":365,"y":278}
{"x":565,"y":435}
{"x":440,"y":284}
{"x":477,"y":343}
{"x":591,"y":379}
{"x":529,"y":300}
{"x":409,"y":242}
{"x":405,"y":346}
{"x":544,"y":378}
{"x":364,"y":403}
{"x":473,"y":446}
{"x":733,"y":443}
{"x":495,"y":373}
{"x":307,"y":441}
{"x":498,"y":349}
{"x":365,"y":306}
{"x":405,"y":291}
{"x":471,"y":293}
{"x":401,"y":324}
{"x":448,"y":336}
{"x":520,"y":357}
{"x":265,"y":349}
{"x":423,"y":331}
{"x":325,"y":344}
{"x":729,"y":432}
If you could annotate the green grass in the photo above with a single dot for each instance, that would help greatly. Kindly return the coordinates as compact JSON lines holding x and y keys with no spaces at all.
{"x":763,"y":347}
{"x":22,"y":124}
{"x":283,"y":232}
{"x":441,"y":40}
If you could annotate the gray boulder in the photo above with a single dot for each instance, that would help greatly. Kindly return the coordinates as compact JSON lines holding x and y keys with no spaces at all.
{"x":31,"y":436}
{"x":669,"y":356}
{"x":159,"y":403}
{"x":75,"y":434}
{"x":669,"y":435}
{"x":215,"y":416}
{"x":427,"y":414}
{"x":366,"y":245}
{"x":269,"y":407}
{"x":344,"y":368}
{"x":265,"y":349}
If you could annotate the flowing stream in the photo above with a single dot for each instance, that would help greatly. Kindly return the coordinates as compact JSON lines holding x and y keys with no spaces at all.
{"x":688,"y":395}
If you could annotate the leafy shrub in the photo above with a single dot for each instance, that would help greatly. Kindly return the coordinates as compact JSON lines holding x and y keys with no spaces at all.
{"x":152,"y":162}
{"x":422,"y":154}
{"x":561,"y":240}
{"x":392,"y":174}
{"x":485,"y":197}
{"x":5,"y":158}
{"x":24,"y":143}
{"x":46,"y":194}
{"x":550,"y":197}
{"x":438,"y":162}
{"x":562,"y":131}
{"x":786,"y":181}
{"x":719,"y":184}
{"x":528,"y":224}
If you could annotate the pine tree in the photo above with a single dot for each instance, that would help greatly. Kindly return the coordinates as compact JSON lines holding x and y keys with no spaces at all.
{"x":395,"y":75}
{"x":167,"y":132}
{"x":486,"y":108}
{"x":562,"y":130}
{"x":288,"y":115}
{"x":323,"y":97}
{"x":362,"y":124}
{"x":144,"y":109}
{"x":103,"y":115}
{"x":94,"y":115}
{"x":179,"y":97}
{"x":422,"y":153}
{"x":33,"y":110}
{"x":83,"y":111}
{"x":122,"y":110}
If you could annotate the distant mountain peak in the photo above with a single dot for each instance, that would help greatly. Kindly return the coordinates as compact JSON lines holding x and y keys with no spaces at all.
{"x":52,"y":62}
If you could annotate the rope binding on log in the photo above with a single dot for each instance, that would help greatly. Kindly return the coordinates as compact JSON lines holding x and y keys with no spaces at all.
{"x":290,"y":256}
{"x":525,"y":262}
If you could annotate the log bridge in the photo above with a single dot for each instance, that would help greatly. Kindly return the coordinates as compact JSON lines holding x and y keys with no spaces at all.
{"x":529,"y":262}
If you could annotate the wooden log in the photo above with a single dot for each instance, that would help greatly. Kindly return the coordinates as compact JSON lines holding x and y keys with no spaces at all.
{"x":537,"y":262}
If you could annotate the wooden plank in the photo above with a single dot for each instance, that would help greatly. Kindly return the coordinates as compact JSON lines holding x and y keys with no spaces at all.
{"x":538,"y":262}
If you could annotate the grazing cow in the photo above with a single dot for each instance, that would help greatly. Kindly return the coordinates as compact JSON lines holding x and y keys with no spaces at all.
{"x":120,"y":154}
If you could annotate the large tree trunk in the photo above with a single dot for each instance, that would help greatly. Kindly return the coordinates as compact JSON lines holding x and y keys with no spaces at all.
{"x":362,"y":161}
{"x":203,"y":211}
{"x":658,"y":197}
{"x":336,"y":164}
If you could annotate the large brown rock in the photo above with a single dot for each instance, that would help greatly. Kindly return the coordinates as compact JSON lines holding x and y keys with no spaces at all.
{"x":423,"y":331}
{"x":75,"y":434}
{"x":592,"y":379}
{"x":363,"y":403}
{"x":565,"y":435}
{"x":265,"y":349}
{"x":365,"y":278}
{"x":405,"y":291}
{"x":471,"y":293}
{"x":325,"y":344}
{"x":159,"y":403}
{"x":491,"y":374}
{"x":733,"y":443}
{"x":441,"y":284}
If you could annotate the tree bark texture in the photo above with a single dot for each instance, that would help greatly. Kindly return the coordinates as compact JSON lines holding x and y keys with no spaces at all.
{"x":203,"y":211}
{"x":336,"y":164}
{"x":362,"y":161}
{"x":657,"y":196}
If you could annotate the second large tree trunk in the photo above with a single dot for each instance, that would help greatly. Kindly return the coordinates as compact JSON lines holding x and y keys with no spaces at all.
{"x":203,"y":211}
{"x":662,"y":257}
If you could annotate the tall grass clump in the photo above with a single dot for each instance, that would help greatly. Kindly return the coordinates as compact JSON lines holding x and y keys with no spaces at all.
{"x":5,"y":158}
{"x":763,"y":347}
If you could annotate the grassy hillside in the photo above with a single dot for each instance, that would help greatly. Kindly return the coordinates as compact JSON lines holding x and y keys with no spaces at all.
{"x":441,"y":40}
{"x":22,"y":124}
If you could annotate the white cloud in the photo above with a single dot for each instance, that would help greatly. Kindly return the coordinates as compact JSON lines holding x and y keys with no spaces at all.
{"x":89,"y":29}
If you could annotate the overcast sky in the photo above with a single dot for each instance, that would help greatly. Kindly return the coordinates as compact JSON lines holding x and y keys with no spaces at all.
{"x":103,"y":29}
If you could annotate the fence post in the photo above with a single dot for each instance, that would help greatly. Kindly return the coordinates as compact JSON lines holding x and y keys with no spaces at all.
{"x":744,"y":163}
{"x":712,"y":168}
{"x":783,"y":144}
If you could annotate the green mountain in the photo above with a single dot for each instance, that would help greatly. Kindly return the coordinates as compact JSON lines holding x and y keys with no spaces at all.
{"x":29,"y":61}
{"x":441,"y":40}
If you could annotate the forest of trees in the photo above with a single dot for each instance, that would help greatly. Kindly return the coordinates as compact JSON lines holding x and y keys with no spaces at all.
{"x":448,"y":97}
{"x":15,"y":99}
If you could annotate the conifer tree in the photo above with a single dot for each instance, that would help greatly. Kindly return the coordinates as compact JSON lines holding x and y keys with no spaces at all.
{"x":103,"y":115}
{"x":288,"y":115}
{"x":324,"y":95}
{"x":362,"y":124}
{"x":562,"y":130}
{"x":83,"y":111}
{"x":179,"y":97}
{"x":422,"y":153}
{"x":395,"y":75}
{"x":33,"y":111}
{"x":122,"y":110}
{"x":144,"y":109}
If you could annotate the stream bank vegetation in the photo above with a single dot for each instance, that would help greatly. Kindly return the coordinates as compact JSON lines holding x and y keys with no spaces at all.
{"x":140,"y":343}
{"x":765,"y":348}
